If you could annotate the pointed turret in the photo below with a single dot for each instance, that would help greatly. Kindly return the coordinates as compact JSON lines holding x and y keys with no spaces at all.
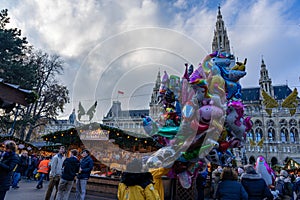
{"x":219,"y":13}
{"x":265,"y":81}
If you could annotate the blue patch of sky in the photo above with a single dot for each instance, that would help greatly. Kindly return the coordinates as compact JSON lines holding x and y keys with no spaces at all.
{"x":168,"y":9}
{"x":291,"y":12}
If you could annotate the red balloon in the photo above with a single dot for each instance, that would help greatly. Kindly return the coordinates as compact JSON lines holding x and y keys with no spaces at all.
{"x":223,"y":146}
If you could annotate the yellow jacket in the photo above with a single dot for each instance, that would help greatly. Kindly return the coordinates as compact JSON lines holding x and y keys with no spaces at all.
{"x":157,"y":173}
{"x":136,"y":192}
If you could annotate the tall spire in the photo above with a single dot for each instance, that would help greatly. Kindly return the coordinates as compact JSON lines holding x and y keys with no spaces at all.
{"x":220,"y":39}
{"x":219,"y":12}
{"x":154,"y":107}
{"x":265,"y":81}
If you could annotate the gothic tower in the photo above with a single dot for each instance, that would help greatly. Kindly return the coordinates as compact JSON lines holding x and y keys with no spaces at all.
{"x":154,"y":107}
{"x":220,"y":40}
{"x":265,"y":81}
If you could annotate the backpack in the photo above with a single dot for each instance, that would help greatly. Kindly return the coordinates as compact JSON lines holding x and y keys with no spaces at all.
{"x":279,"y":186}
{"x":284,"y":188}
{"x":288,"y":189}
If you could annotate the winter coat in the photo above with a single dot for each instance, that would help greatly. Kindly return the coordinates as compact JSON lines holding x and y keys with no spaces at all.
{"x":136,"y":192}
{"x":157,"y":178}
{"x":231,"y":190}
{"x":23,"y":164}
{"x":86,"y":165}
{"x":256,"y":187}
{"x":137,"y":186}
{"x":56,"y":165}
{"x":71,"y":168}
{"x":44,"y":167}
{"x":284,"y":180}
{"x":8,"y":162}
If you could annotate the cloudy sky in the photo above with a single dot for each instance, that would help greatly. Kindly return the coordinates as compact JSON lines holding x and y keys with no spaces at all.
{"x":111,"y":45}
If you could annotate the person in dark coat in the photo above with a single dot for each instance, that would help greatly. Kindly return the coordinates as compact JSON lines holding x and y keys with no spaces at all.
{"x":229,"y":188}
{"x":71,"y":168}
{"x":20,"y":170}
{"x":23,"y":163}
{"x":86,"y":166}
{"x":8,"y":161}
{"x":200,"y":184}
{"x":255,"y":185}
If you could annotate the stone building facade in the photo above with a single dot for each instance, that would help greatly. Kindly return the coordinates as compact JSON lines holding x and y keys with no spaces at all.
{"x":280,"y":131}
{"x":130,"y":120}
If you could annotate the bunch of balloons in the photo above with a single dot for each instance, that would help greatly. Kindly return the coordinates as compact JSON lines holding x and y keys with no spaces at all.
{"x":201,"y":117}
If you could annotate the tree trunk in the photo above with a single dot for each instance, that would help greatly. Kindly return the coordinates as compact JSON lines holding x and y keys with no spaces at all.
{"x":22,"y":131}
{"x":28,"y":135}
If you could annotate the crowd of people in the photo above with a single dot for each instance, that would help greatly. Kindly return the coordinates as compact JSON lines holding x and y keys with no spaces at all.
{"x":247,"y":183}
{"x":58,"y":170}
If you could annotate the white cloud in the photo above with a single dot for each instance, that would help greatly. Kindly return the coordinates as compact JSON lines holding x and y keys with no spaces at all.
{"x":120,"y":38}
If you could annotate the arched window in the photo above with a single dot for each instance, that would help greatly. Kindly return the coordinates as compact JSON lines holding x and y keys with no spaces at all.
{"x":271,"y":135}
{"x":294,"y":135}
{"x":274,"y":161}
{"x":252,"y":160}
{"x":283,"y":135}
{"x":250,"y":135}
{"x":258,"y":134}
{"x":131,"y":125}
{"x":125,"y":125}
{"x":137,"y":125}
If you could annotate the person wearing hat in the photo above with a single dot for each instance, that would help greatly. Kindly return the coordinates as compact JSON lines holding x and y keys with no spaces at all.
{"x":86,"y":166}
{"x":255,"y":185}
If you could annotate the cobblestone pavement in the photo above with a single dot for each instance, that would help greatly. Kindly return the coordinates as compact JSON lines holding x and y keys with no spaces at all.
{"x":27,"y":191}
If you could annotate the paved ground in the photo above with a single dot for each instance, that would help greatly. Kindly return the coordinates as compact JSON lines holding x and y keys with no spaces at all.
{"x":27,"y":191}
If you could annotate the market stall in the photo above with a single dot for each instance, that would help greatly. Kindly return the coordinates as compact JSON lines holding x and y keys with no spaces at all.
{"x":22,"y":145}
{"x":292,"y":164}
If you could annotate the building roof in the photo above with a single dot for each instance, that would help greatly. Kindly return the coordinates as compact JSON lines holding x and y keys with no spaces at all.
{"x":296,"y":159}
{"x":134,"y":113}
{"x":250,"y":94}
{"x":253,"y":94}
{"x":281,"y":92}
{"x":11,"y":94}
{"x":116,"y":111}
